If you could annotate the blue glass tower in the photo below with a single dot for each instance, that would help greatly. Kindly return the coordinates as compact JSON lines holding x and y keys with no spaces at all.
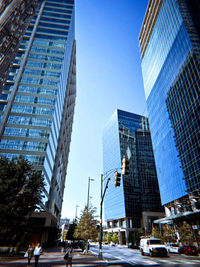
{"x":169,"y":41}
{"x":37,"y":102}
{"x":137,"y":199}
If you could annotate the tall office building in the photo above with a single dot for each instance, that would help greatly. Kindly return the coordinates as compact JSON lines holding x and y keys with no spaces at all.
{"x":170,"y":51}
{"x":136,"y":202}
{"x":15,"y":16}
{"x":37,"y":103}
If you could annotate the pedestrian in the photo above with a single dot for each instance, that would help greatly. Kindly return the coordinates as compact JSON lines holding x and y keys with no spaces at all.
{"x":62,"y":246}
{"x":68,"y":256}
{"x":30,"y":253}
{"x":37,"y":252}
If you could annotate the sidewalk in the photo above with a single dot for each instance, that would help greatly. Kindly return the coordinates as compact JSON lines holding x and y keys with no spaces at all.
{"x":53,"y":257}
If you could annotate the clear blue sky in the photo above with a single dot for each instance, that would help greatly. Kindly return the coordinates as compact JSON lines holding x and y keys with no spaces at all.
{"x":108,"y":77}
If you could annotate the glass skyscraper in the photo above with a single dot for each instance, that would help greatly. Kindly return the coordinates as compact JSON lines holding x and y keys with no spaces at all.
{"x":38,"y":99}
{"x":15,"y":17}
{"x":169,"y":41}
{"x":136,"y":202}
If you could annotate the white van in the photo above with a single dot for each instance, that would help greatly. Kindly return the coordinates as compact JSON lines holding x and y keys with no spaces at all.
{"x":152,"y":246}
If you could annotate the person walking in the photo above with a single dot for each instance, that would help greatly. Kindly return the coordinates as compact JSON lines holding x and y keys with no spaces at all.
{"x":30,"y":253}
{"x":62,"y":246}
{"x":37,"y":252}
{"x":68,"y":258}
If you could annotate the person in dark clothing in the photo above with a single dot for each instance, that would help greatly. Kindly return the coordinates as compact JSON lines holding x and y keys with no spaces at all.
{"x":69,"y":253}
{"x":30,"y":253}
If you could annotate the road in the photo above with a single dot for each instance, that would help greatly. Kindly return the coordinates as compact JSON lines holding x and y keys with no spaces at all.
{"x":134,"y":257}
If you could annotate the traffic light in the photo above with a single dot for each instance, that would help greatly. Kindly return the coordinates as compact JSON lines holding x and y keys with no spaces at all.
{"x":117,"y":179}
{"x":125,"y":166}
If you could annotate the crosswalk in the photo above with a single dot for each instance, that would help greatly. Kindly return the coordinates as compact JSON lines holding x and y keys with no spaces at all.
{"x":134,"y":257}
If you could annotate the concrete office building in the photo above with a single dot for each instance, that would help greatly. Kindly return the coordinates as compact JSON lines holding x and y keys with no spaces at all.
{"x":170,"y":51}
{"x":136,"y":202}
{"x":37,"y":104}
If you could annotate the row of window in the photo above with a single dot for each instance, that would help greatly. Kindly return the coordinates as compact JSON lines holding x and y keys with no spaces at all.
{"x":25,"y":132}
{"x":35,"y":159}
{"x":60,"y":5}
{"x":51,"y":44}
{"x":34,"y":99}
{"x":38,"y":64}
{"x":47,"y":24}
{"x":41,"y":72}
{"x":56,"y":15}
{"x":32,"y":110}
{"x":22,"y":145}
{"x":45,"y":57}
{"x":38,"y":81}
{"x":43,"y":122}
{"x":58,"y":10}
{"x":47,"y":50}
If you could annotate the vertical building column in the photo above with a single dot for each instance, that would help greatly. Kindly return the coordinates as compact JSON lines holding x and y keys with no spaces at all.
{"x":120,"y":237}
{"x":127,"y":231}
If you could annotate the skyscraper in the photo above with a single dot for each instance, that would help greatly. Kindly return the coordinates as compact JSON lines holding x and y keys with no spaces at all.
{"x":170,"y":50}
{"x":15,"y":17}
{"x":136,"y":202}
{"x":37,"y":102}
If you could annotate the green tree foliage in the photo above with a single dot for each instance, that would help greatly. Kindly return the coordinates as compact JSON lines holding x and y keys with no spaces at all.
{"x":186,"y":233}
{"x":86,"y":227}
{"x":20,"y":194}
{"x":156,"y":233}
{"x":169,"y":234}
{"x":109,"y":237}
{"x":115,"y":238}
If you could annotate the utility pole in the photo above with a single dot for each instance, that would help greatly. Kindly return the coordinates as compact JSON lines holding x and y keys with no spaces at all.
{"x":76,"y":212}
{"x":101,"y":209}
{"x":88,"y":198}
{"x":125,"y":170}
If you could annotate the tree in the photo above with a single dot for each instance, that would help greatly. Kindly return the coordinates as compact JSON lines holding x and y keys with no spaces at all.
{"x":169,"y":234}
{"x":115,"y":238}
{"x":109,"y":237}
{"x":134,"y":236}
{"x":185,"y":233}
{"x":86,"y":227}
{"x":21,"y":190}
{"x":71,"y":230}
{"x":156,"y":233}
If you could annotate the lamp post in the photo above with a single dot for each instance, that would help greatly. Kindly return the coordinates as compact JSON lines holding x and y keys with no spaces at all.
{"x":101,"y":211}
{"x":88,"y":198}
{"x":117,"y":183}
{"x":76,"y":212}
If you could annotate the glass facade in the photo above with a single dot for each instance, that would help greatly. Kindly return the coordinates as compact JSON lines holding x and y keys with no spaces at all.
{"x":128,"y":135}
{"x":38,"y":99}
{"x":173,"y":37}
{"x":183,"y":105}
{"x":15,"y":18}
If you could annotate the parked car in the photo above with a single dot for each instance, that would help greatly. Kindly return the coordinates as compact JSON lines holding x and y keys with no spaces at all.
{"x":172,"y":248}
{"x":133,"y":246}
{"x":153,"y":247}
{"x":188,"y":250}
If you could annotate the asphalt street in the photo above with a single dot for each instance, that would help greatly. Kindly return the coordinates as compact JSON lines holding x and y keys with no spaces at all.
{"x":113,"y":256}
{"x":134,"y":257}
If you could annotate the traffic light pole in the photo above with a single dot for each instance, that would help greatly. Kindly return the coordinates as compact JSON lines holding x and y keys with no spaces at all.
{"x":117,"y":183}
{"x":101,"y":211}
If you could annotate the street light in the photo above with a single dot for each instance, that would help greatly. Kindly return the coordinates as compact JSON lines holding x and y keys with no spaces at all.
{"x":103,"y":177}
{"x":101,"y":219}
{"x":88,"y":199}
{"x":77,"y":206}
